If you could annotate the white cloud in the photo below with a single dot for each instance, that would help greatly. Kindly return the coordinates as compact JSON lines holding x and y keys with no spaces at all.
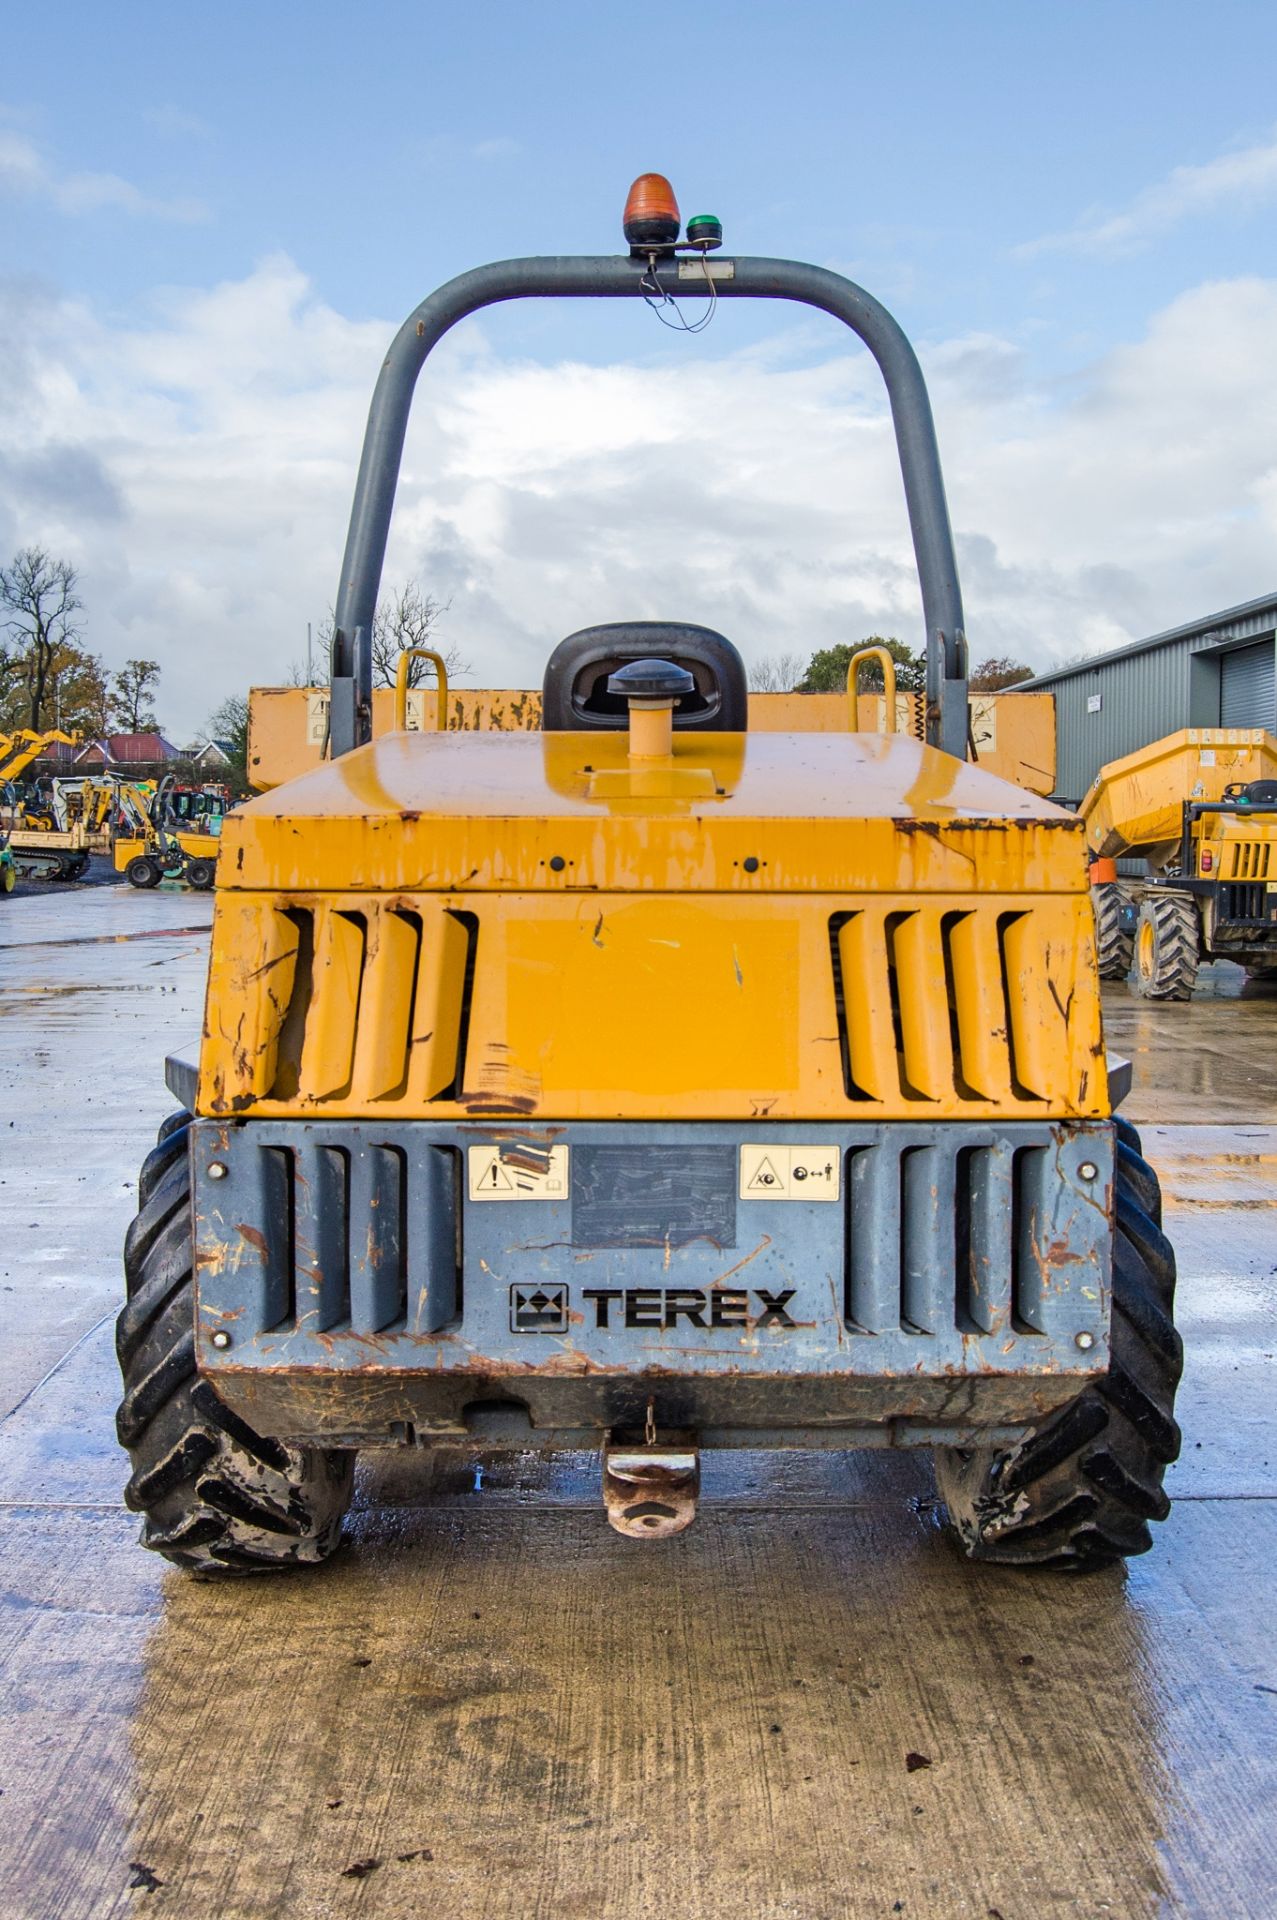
{"x":199,"y":471}
{"x":1244,"y":178}
{"x":25,"y":172}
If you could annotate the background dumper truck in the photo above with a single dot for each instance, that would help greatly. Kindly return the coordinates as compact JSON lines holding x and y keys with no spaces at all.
{"x":649,"y":1082}
{"x":1200,"y":809}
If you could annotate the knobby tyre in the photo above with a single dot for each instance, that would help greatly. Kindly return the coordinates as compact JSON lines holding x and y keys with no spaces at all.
{"x":215,"y":1497}
{"x":1114,"y":943}
{"x":1167,"y":947}
{"x":1081,"y":1492}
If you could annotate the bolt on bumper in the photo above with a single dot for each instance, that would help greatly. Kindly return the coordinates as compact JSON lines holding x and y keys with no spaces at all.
{"x":361,"y":1284}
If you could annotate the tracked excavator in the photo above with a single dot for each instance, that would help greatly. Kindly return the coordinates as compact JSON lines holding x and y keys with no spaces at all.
{"x":39,"y":847}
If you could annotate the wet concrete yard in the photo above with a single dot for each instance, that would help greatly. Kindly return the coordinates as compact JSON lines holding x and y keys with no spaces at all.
{"x":492,"y":1705}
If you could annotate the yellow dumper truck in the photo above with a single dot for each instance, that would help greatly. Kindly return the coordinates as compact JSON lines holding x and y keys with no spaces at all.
{"x":648,"y":1083}
{"x":1200,"y":808}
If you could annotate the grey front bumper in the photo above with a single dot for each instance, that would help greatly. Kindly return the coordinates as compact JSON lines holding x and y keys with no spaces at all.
{"x":367,"y":1284}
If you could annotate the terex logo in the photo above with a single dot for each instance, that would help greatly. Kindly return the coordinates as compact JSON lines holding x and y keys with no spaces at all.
{"x":664,"y":1307}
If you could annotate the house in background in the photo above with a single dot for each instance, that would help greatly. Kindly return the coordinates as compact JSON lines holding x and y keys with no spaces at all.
{"x":209,"y":757}
{"x":146,"y":756}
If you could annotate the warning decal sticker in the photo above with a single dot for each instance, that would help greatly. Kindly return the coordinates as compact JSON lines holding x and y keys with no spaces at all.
{"x":790,"y":1173}
{"x":518,"y":1171}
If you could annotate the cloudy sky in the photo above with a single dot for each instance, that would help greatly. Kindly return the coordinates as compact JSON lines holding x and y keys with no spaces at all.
{"x":212,"y":225}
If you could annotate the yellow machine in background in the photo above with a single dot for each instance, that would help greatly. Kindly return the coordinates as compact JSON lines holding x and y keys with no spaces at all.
{"x":163,"y":848}
{"x":1200,"y":808}
{"x":40,"y":846}
{"x":18,"y":750}
{"x":654,"y":1080}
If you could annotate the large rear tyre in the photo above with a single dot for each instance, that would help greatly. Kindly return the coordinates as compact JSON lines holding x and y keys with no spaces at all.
{"x":1080,"y":1492}
{"x":1114,"y":941}
{"x":215,"y":1497}
{"x":142,"y":872}
{"x":1166,"y":947}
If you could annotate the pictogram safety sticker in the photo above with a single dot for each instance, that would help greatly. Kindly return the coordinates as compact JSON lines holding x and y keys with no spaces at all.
{"x":790,"y":1173}
{"x":518,"y":1171}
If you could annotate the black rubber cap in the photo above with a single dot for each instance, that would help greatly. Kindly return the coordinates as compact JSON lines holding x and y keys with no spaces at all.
{"x":651,"y":680}
{"x":575,"y":695}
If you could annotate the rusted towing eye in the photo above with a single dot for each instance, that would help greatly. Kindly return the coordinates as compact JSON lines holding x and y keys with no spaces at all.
{"x":650,"y":1485}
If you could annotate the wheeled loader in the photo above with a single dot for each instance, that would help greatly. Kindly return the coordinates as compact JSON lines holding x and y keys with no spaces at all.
{"x":648,"y":1085}
{"x":166,"y":849}
{"x":1200,"y":809}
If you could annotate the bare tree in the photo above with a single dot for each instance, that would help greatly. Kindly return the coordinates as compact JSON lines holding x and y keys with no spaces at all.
{"x":776,"y":673}
{"x":38,"y":605}
{"x":132,"y":692}
{"x":407,"y":619}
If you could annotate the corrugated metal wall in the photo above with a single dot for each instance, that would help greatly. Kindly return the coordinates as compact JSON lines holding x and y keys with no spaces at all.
{"x":1247,"y":686}
{"x":1141,"y":698}
{"x":1119,"y":702}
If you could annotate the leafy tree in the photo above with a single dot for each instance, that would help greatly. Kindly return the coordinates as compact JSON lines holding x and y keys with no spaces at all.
{"x":129,"y":709}
{"x":74,"y":694}
{"x":39,"y":600}
{"x":77,"y":695}
{"x":827,"y":669}
{"x":997,"y":672}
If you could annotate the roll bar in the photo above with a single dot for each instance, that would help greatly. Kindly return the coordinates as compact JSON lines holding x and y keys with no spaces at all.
{"x":622,"y":276}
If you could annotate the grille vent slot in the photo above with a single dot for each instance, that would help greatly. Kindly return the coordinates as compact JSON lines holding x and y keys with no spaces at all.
{"x":936,"y":1005}
{"x":939,"y":1240}
{"x":359,"y":1242}
{"x":1249,"y":859}
{"x":1244,"y":900}
{"x":377,"y":1004}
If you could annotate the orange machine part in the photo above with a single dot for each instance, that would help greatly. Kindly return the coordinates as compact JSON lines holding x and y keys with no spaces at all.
{"x":651,"y":212}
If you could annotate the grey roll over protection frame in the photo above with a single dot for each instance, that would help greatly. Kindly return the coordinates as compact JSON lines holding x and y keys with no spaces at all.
{"x":620,"y":276}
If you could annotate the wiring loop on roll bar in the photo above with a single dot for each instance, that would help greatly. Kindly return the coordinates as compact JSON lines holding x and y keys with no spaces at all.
{"x":657,"y":299}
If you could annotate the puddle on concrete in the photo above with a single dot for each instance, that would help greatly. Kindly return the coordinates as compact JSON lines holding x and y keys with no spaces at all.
{"x":109,"y":939}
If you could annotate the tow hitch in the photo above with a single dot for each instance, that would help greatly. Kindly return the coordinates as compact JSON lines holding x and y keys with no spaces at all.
{"x":650,"y":1486}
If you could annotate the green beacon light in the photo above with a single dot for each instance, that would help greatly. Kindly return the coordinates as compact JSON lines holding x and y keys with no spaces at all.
{"x":705,"y":232}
